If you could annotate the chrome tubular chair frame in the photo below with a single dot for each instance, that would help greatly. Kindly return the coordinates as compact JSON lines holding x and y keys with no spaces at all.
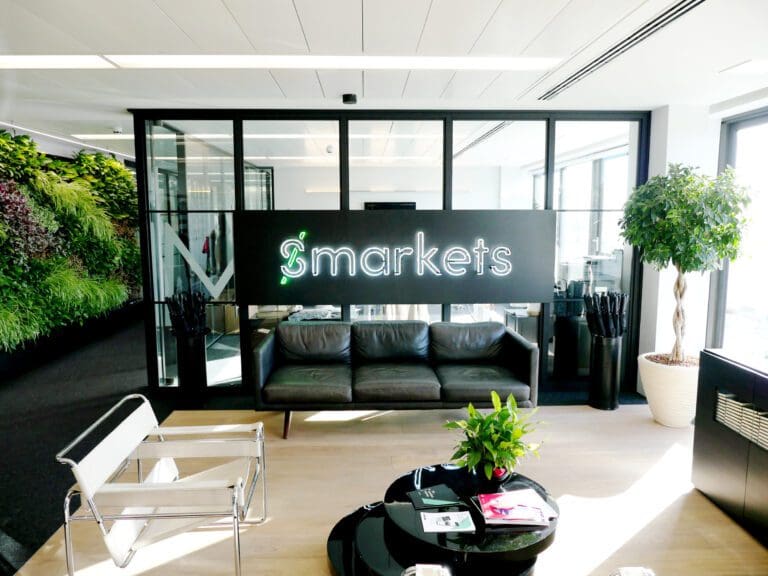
{"x":160,"y":490}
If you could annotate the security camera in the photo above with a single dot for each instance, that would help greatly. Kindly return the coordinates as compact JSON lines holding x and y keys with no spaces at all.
{"x":329,"y":149}
{"x":117,"y":130}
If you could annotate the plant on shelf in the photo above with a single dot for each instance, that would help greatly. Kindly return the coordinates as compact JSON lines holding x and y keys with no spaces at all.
{"x":494,"y":443}
{"x":692,"y":222}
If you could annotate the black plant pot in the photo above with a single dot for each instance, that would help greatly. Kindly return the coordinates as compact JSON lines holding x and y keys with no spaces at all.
{"x":193,"y":379}
{"x":604,"y":368}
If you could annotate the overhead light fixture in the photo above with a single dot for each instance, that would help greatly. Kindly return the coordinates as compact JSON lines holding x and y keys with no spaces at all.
{"x":319,"y":62}
{"x":67,"y":140}
{"x":757,"y":67}
{"x":52,"y":62}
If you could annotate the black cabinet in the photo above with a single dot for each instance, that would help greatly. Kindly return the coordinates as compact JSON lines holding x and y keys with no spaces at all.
{"x":729,"y":464}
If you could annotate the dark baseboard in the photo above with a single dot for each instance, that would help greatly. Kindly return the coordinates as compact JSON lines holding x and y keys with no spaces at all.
{"x":63,"y":340}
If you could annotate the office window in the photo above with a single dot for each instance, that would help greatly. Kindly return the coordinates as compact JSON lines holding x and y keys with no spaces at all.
{"x":746,"y":313}
{"x":498,"y":164}
{"x":426,"y":312}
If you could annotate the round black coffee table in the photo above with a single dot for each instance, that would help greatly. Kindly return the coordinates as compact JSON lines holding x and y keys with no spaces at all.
{"x":384,"y":538}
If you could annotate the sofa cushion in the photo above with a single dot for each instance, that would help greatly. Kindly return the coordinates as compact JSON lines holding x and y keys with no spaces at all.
{"x":314,"y":343}
{"x":395,"y":383}
{"x":390,"y":341}
{"x":308,"y":383}
{"x":464,"y":343}
{"x":474,"y":382}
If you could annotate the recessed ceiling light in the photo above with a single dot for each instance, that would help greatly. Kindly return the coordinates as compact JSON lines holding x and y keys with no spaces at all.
{"x":319,"y":62}
{"x":52,"y":61}
{"x":755,"y":67}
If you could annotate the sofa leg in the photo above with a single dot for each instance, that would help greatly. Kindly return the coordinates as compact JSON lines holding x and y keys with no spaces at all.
{"x":286,"y":423}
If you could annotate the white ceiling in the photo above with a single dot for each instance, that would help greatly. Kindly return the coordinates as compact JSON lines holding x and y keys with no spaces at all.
{"x":679,"y":64}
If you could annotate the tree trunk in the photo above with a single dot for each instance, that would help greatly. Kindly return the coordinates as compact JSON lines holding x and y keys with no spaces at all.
{"x":678,"y":319}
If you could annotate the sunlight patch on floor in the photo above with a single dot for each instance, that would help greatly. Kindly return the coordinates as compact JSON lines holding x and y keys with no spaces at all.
{"x":339,"y":415}
{"x":591,"y":530}
{"x":160,"y":553}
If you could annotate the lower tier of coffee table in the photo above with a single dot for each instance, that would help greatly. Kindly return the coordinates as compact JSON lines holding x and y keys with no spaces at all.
{"x":367,"y":543}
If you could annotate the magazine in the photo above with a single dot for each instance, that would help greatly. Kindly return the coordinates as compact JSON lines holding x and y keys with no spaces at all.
{"x":434,"y":497}
{"x":447,"y":522}
{"x":518,"y":507}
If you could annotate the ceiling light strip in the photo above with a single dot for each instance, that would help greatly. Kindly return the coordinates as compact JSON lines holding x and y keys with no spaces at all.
{"x":67,"y":140}
{"x":53,"y":62}
{"x":330,"y":62}
{"x":639,"y":35}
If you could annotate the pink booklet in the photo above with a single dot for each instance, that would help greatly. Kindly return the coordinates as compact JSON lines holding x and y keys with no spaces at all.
{"x":518,"y":507}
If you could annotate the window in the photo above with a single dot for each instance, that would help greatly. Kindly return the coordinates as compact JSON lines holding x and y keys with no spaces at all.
{"x":746,"y":313}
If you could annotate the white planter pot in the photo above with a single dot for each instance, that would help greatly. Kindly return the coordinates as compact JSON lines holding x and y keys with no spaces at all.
{"x":670,"y":390}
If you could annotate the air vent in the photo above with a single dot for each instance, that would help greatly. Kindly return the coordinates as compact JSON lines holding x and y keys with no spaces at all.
{"x":651,"y":27}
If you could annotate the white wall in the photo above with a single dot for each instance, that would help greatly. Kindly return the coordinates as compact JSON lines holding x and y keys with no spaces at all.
{"x":688,"y":135}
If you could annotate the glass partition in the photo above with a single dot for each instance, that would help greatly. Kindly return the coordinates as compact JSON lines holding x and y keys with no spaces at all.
{"x":498,"y":164}
{"x":396,"y":163}
{"x":191,"y":189}
{"x":298,"y":160}
{"x":595,"y":165}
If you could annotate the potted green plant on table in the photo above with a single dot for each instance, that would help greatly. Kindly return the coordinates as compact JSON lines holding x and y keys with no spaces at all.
{"x":692,"y":222}
{"x":493,"y":444}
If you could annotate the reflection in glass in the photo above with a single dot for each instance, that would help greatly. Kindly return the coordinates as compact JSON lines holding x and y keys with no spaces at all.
{"x":398,"y":161}
{"x":425,"y":312}
{"x":222,"y":346}
{"x":193,"y":252}
{"x":498,"y":164}
{"x":190,"y":165}
{"x":521,"y":318}
{"x":594,"y":172}
{"x":295,"y":161}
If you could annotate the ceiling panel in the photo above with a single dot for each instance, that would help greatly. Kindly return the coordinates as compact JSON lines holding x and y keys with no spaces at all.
{"x":384,"y":83}
{"x":332,"y":26}
{"x":338,"y":82}
{"x":580,"y":22}
{"x":469,"y":83}
{"x":658,"y":71}
{"x":22,"y":32}
{"x":229,"y":85}
{"x":507,"y":87}
{"x":427,"y":83}
{"x":210,"y":25}
{"x":453,"y":26}
{"x":114,"y":26}
{"x":271,"y":26}
{"x":515,"y":24}
{"x":298,"y":84}
{"x":386,"y":29}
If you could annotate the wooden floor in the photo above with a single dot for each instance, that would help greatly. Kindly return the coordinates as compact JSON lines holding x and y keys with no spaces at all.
{"x":622,"y":483}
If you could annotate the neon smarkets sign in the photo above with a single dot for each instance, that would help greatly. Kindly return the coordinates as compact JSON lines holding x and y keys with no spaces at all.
{"x":418,"y":258}
{"x":394,"y":256}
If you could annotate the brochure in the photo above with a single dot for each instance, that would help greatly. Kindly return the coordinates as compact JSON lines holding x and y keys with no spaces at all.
{"x":518,"y":507}
{"x":447,"y":522}
{"x":434,"y":497}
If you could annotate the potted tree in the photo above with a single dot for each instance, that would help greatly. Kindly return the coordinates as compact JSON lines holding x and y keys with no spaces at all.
{"x":493,"y":444}
{"x":692,"y":222}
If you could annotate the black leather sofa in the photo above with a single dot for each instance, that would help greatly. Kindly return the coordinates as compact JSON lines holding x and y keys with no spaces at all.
{"x":391,"y":365}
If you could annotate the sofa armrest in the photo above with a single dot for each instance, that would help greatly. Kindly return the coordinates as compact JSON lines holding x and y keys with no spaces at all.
{"x":523,"y":361}
{"x":263,"y":361}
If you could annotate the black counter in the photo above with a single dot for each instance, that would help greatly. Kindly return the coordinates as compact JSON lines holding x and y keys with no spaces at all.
{"x":730,"y":447}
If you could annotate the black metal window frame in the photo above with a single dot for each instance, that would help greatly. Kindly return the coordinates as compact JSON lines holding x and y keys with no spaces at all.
{"x":343,"y":117}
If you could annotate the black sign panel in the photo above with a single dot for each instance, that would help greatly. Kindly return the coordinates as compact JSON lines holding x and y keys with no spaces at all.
{"x":394,"y":257}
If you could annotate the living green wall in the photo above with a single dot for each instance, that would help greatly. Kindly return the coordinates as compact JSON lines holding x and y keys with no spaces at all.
{"x":68,"y":239}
